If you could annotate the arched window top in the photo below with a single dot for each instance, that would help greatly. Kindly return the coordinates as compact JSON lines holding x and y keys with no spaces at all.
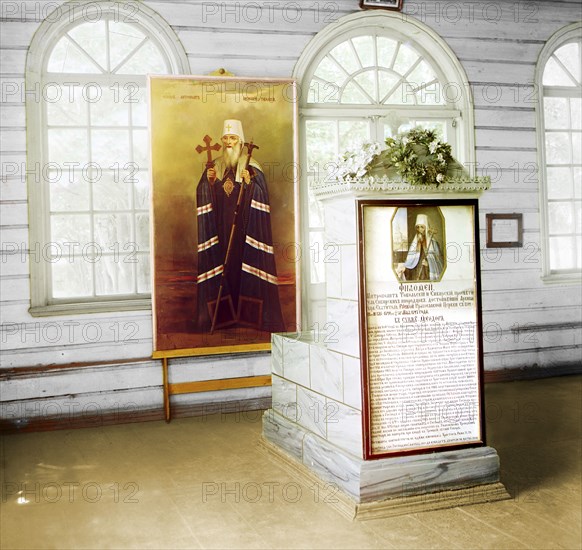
{"x":380,"y":59}
{"x":107,"y":47}
{"x":103,"y":38}
{"x":563,"y":66}
{"x":382,"y":65}
{"x":372,"y":69}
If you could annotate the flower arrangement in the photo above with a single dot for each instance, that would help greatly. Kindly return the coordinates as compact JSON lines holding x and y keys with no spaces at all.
{"x":354,"y":164}
{"x":417,"y":156}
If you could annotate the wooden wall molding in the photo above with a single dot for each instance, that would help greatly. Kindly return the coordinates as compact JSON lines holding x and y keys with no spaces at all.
{"x":32,"y":371}
{"x":249,"y":410}
{"x":532,"y":373}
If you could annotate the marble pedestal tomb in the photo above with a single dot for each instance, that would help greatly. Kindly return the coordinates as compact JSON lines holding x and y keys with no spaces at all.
{"x":315,"y":424}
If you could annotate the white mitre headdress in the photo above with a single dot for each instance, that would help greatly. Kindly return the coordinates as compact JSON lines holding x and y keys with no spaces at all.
{"x":233,"y":127}
{"x":422,"y":219}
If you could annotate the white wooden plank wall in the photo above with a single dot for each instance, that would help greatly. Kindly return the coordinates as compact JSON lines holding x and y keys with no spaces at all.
{"x":526,"y":322}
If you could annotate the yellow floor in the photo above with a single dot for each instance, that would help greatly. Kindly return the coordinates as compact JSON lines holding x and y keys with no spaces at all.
{"x":203,"y":483}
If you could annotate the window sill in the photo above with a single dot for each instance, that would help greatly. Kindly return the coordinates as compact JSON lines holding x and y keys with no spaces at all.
{"x":562,"y":278}
{"x":90,"y":307}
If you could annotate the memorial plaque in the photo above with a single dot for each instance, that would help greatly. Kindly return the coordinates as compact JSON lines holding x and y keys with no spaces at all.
{"x":421,"y":332}
{"x":504,"y":230}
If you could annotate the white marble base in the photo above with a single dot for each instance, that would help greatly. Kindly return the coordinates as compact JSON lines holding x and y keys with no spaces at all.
{"x":395,"y":506}
{"x":318,"y":388}
{"x":473,"y":471}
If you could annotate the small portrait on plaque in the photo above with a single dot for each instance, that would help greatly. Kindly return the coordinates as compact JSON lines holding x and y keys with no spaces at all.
{"x":418,"y":244}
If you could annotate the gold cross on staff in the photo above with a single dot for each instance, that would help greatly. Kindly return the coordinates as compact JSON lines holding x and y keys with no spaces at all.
{"x":209,"y":148}
{"x":250,"y":148}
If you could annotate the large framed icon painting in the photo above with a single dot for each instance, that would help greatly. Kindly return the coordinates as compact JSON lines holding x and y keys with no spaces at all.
{"x":224,"y":213}
{"x":421,"y":350}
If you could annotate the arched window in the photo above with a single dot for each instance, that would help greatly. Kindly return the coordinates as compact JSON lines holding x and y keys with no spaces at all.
{"x":560,"y":149}
{"x":88,"y":154}
{"x":365,"y":78}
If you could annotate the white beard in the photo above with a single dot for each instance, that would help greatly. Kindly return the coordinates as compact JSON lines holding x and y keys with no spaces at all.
{"x":231,"y":156}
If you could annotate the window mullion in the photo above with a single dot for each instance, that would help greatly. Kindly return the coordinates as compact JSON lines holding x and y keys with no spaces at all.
{"x":566,"y":70}
{"x":85,"y":53}
{"x":91,"y":193}
{"x":94,"y":78}
{"x":356,"y":55}
{"x":132,"y":197}
{"x":360,"y":87}
{"x":412,"y":67}
{"x":392,"y":90}
{"x":130,"y":55}
{"x":338,"y":64}
{"x":378,"y":129}
{"x":562,"y":91}
{"x":376,"y":67}
{"x":331,"y":111}
{"x":45,"y":206}
{"x":425,"y":85}
{"x":394,"y":56}
{"x":107,"y":47}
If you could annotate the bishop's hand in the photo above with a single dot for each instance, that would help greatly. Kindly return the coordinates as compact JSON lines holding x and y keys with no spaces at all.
{"x":246,"y":176}
{"x":211,"y":174}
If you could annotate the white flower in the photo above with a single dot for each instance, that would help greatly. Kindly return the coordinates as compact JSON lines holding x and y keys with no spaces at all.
{"x":433,"y":146}
{"x":354,"y":163}
{"x":440,"y":178}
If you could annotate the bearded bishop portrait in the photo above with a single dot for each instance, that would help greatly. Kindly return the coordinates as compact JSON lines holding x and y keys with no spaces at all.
{"x":237,"y":278}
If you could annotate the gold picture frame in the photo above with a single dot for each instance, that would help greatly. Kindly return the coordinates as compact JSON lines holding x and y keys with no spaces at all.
{"x":223,"y":236}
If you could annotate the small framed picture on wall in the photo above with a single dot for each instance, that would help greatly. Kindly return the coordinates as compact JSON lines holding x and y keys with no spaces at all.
{"x":381,"y":4}
{"x":504,"y":230}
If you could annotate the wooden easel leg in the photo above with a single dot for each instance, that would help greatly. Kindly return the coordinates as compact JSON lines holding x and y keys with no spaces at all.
{"x":167,"y":413}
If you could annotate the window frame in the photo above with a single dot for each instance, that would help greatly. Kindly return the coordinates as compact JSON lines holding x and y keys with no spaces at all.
{"x":448,"y":68}
{"x":51,"y":30}
{"x":567,"y":34}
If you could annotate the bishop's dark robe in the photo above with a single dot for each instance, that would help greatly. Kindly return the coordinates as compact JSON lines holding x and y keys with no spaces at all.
{"x":250,"y":294}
